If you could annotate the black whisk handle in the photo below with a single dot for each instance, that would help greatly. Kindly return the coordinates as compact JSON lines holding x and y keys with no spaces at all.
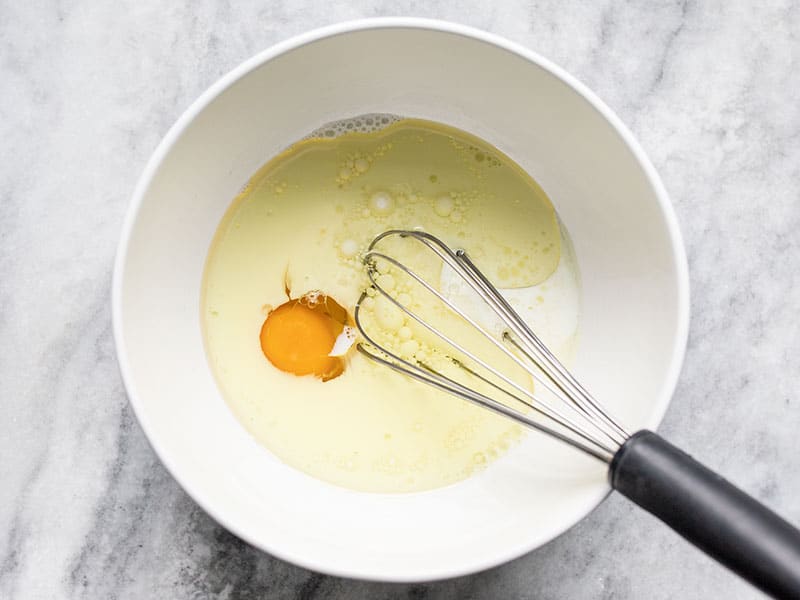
{"x":714,"y":515}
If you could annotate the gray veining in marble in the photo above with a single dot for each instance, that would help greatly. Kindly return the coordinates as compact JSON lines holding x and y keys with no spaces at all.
{"x":87,"y":89}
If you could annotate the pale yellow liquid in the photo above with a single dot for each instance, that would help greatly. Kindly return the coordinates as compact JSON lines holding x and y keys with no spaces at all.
{"x":304,"y":218}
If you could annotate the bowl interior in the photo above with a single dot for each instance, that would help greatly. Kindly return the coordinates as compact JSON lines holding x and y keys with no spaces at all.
{"x":633,"y":324}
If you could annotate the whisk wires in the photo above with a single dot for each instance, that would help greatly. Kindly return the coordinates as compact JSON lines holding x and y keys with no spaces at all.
{"x":568,"y":413}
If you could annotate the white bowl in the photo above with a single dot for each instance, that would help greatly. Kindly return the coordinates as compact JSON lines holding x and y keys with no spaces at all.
{"x":634,"y":291}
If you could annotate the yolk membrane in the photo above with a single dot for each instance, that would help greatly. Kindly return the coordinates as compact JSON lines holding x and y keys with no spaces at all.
{"x":298,"y":336}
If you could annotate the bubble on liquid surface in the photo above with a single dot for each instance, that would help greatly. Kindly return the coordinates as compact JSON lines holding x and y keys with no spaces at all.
{"x":443,"y":205}
{"x":361,"y":124}
{"x":348,"y":248}
{"x":381,"y":203}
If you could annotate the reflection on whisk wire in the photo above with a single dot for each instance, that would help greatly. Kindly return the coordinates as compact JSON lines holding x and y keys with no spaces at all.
{"x":570,"y":412}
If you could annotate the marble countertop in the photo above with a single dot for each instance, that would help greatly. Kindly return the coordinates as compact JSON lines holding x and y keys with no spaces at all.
{"x":89,"y":88}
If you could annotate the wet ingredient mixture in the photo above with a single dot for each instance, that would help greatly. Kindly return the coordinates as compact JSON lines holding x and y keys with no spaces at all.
{"x":283,"y":275}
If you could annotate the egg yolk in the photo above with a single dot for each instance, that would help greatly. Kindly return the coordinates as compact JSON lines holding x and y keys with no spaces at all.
{"x":298,"y":336}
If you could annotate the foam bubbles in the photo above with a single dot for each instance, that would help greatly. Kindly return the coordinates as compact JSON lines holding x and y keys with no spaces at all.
{"x":312,"y":298}
{"x":360,"y":124}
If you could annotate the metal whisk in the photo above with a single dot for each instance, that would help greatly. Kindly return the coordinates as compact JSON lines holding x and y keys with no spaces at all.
{"x":700,"y":505}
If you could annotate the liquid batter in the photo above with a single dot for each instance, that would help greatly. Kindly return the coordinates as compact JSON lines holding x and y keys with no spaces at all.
{"x":301,"y":224}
